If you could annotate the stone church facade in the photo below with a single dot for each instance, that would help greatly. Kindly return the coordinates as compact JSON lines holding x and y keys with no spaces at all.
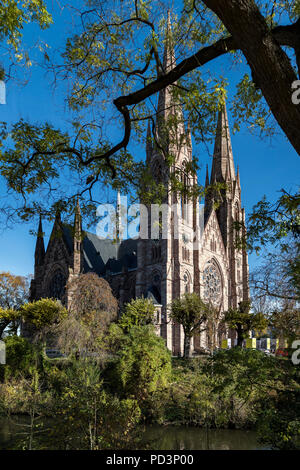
{"x":201,"y":258}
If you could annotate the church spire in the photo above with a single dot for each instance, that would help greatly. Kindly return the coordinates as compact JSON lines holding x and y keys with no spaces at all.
{"x":223,"y":157}
{"x":207,"y":177}
{"x":170,"y":121}
{"x":77,"y":241}
{"x":39,"y":253}
{"x":149,"y":146}
{"x":77,"y":221}
{"x":165,"y":99}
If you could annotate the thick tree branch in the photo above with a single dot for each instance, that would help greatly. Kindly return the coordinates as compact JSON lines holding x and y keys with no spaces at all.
{"x":269,"y":63}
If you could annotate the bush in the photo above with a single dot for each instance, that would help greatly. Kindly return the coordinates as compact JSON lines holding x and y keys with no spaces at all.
{"x":142,"y":365}
{"x":21,"y":357}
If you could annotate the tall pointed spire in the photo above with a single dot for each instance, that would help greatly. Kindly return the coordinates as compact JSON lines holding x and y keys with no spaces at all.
{"x":169,"y":54}
{"x":223,"y":156}
{"x":149,"y":146}
{"x":170,"y":122}
{"x":169,"y":62}
{"x":77,"y":220}
{"x":77,"y":241}
{"x":207,"y":177}
{"x":39,"y":253}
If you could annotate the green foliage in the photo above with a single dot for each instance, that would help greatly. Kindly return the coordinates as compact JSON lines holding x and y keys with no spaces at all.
{"x":274,"y":222}
{"x":43,"y":312}
{"x":87,"y":417}
{"x":279,"y":424}
{"x":116,"y":53}
{"x":242,"y":321}
{"x":192,"y":313}
{"x":143,"y":363}
{"x":228,"y":390}
{"x":13,"y":293}
{"x":15,"y":14}
{"x":21,"y":357}
{"x":285,"y":323}
{"x":137,"y":312}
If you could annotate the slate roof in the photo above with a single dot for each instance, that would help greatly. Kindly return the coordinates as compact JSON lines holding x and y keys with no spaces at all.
{"x":104,"y":256}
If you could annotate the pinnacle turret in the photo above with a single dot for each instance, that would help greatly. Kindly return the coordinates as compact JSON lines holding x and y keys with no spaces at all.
{"x":39,"y":253}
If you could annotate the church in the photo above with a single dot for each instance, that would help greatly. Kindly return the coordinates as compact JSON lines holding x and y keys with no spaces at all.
{"x":202,"y":258}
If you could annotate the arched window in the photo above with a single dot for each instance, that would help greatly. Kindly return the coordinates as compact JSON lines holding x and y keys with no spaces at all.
{"x":184,"y":196}
{"x":155,"y":287}
{"x":237,"y":212}
{"x":156,"y":251}
{"x":212,"y":282}
{"x":187,"y":282}
{"x":57,"y":285}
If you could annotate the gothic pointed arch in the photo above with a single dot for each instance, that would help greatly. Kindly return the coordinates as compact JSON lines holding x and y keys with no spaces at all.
{"x":187,"y":282}
{"x":154,"y":289}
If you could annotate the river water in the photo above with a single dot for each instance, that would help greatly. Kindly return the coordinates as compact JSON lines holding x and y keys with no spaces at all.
{"x":163,"y":437}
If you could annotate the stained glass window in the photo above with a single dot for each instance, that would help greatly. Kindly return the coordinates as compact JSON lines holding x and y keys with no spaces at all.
{"x":212,"y":283}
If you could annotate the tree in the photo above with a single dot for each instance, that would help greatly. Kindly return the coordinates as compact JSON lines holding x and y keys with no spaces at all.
{"x":192,"y":314}
{"x":43,"y":312}
{"x":275,"y":223}
{"x":285,"y":322}
{"x":115,"y":56}
{"x":92,"y":308}
{"x":13,"y":293}
{"x":87,"y":417}
{"x":92,"y":295}
{"x":142,"y":364}
{"x":277,"y":277}
{"x":242,"y":321}
{"x":137,"y":312}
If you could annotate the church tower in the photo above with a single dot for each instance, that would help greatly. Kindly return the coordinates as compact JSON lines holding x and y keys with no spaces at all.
{"x":77,"y":242}
{"x":165,"y":263}
{"x":39,"y":258}
{"x":229,"y":210}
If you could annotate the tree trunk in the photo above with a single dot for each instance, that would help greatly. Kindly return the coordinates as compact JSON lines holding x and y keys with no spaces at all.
{"x":239,"y":337}
{"x":270,"y":65}
{"x":187,"y":346}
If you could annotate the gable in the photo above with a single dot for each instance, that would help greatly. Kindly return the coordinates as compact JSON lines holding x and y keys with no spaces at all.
{"x":212,"y":238}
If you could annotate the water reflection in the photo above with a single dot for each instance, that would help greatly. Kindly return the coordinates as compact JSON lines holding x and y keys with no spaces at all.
{"x":156,"y":437}
{"x":190,"y":438}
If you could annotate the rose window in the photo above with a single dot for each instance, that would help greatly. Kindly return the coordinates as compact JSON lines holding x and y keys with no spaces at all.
{"x":212,"y":283}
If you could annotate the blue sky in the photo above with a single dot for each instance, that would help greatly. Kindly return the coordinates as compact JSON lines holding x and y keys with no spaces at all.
{"x":264,"y":168}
